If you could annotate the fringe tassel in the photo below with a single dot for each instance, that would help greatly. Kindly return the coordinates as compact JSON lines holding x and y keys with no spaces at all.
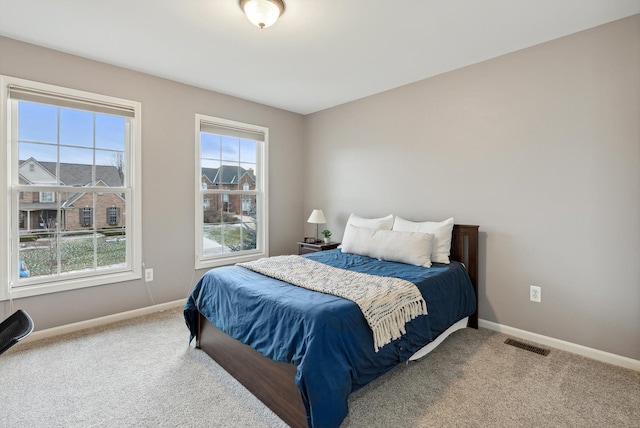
{"x":392,"y":327}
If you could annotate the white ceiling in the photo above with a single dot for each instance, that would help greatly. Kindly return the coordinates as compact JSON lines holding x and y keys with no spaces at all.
{"x":321,"y":53}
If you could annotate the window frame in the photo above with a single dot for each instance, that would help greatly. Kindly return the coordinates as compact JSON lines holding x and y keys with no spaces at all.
{"x":261,"y":192}
{"x":9,"y":217}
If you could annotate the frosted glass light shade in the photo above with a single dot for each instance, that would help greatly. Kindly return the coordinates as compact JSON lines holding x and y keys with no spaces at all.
{"x":317,"y":216}
{"x":262,"y":13}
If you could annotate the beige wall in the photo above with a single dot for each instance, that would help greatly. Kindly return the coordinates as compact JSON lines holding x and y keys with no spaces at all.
{"x":168,"y":163}
{"x":541,"y":148}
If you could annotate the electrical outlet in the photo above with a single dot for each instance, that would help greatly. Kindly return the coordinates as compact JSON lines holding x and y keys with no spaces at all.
{"x":535,"y":293}
{"x":148,"y":275}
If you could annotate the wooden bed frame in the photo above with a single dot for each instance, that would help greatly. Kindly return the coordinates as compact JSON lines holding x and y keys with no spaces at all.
{"x":273,"y":382}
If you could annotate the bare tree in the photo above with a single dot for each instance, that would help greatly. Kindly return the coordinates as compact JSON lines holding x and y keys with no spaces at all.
{"x":117,"y":160}
{"x":51,"y":259}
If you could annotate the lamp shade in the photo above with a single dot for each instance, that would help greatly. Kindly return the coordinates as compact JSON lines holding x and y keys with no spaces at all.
{"x":317,"y":217}
{"x":262,"y":13}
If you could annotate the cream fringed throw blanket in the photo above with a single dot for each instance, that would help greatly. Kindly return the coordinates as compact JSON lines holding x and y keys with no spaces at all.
{"x":386,"y":303}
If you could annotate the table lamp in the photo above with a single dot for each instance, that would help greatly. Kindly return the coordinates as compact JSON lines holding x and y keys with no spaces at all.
{"x":317,"y":217}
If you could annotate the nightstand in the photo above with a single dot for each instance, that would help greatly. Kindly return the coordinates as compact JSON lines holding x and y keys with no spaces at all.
{"x":304,"y":248}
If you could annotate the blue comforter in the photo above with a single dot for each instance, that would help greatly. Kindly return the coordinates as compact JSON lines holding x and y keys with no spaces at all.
{"x":327,"y":337}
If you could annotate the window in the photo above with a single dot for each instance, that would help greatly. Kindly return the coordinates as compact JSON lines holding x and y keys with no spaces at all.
{"x":231,"y":197}
{"x":113,"y":215}
{"x":70,"y":155}
{"x":86,"y":217}
{"x":47,"y":196}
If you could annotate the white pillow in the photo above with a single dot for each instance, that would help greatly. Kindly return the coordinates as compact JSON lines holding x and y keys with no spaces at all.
{"x":382,"y":223}
{"x":442,"y":231}
{"x":413,"y":248}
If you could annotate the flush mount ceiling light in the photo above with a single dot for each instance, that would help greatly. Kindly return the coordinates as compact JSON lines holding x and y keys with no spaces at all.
{"x":262,"y":13}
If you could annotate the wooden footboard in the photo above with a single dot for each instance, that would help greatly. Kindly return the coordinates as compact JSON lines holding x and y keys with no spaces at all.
{"x":273,"y":382}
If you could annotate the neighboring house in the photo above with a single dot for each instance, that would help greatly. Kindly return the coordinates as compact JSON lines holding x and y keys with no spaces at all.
{"x":39,"y":210}
{"x":229,"y":177}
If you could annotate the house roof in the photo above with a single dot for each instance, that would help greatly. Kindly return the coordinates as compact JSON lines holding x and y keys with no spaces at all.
{"x":227,"y":174}
{"x":80,"y":174}
{"x":38,"y":206}
{"x":74,"y":197}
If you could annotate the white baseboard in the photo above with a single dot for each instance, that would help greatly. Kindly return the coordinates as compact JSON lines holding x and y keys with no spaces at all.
{"x":96,"y":322}
{"x":592,"y":353}
{"x":595,"y":354}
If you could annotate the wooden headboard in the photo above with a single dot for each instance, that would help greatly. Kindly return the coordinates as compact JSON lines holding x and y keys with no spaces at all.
{"x":464,"y":248}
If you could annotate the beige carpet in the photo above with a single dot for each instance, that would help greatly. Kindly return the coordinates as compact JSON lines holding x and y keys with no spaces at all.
{"x":141,"y":373}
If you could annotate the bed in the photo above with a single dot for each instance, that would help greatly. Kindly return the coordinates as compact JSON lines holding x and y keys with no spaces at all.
{"x":312,"y":350}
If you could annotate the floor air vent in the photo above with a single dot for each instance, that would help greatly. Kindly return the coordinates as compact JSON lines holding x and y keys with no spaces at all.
{"x":527,"y":347}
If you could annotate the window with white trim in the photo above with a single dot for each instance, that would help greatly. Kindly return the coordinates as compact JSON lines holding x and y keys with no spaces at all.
{"x":47,"y":197}
{"x":113,"y":215}
{"x":73,"y":167}
{"x":231,"y":196}
{"x":86,"y":216}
